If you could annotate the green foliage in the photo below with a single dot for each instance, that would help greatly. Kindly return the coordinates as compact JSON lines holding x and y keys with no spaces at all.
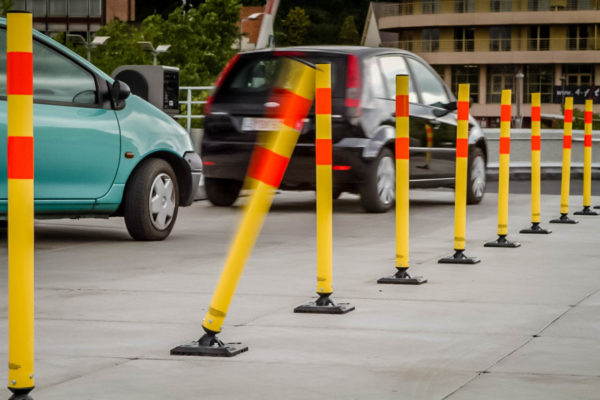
{"x":5,"y":5}
{"x":579,"y":122}
{"x":120,"y":49}
{"x":349,"y":33}
{"x":295,"y":27}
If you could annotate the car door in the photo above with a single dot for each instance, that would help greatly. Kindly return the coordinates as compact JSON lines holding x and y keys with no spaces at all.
{"x":392,"y":65}
{"x":77,"y":141}
{"x":442,"y":143}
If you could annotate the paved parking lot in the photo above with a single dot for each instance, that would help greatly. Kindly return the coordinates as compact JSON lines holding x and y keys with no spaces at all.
{"x":523,"y":324}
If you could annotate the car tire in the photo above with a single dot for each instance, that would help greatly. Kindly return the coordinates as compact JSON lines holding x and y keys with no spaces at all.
{"x":476,"y":176}
{"x":151,"y":201}
{"x":222,"y":192}
{"x":378,"y":192}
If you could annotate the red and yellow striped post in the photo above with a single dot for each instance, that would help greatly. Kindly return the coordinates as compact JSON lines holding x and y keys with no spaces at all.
{"x":402,"y":151}
{"x":323,"y":167}
{"x":504,"y":173}
{"x":566,"y":166}
{"x":429,"y":133}
{"x":19,"y":89}
{"x":295,"y":88}
{"x":460,"y":186}
{"x":536,"y":146}
{"x":587,"y":161}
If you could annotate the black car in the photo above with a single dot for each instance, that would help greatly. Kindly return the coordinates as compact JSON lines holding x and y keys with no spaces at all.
{"x":363,"y":125}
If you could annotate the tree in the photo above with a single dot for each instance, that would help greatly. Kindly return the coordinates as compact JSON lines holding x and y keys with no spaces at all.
{"x":295,"y":27}
{"x":349,"y":33}
{"x":5,"y":5}
{"x":121,"y":49}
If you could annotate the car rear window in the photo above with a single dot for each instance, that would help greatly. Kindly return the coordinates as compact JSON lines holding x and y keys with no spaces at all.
{"x":255,"y":74}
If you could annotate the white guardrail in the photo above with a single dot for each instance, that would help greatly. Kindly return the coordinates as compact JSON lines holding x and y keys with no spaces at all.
{"x":189,"y":102}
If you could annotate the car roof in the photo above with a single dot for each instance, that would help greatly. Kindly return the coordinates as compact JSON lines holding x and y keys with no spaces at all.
{"x":362,"y":51}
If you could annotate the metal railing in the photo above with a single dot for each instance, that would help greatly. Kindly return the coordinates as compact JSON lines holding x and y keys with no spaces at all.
{"x":189,"y":103}
{"x":496,"y":44}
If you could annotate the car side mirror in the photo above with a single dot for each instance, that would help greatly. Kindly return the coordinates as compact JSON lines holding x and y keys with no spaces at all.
{"x":445,"y":108}
{"x":119,"y":91}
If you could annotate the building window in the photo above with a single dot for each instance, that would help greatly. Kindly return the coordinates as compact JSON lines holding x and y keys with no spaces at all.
{"x":538,"y":38}
{"x":464,"y":39}
{"x":58,"y":8}
{"x":539,"y":78}
{"x":466,"y":74}
{"x":464,"y":6}
{"x":578,"y":37}
{"x":500,"y":5}
{"x":439,"y":69}
{"x":431,"y":40}
{"x":499,"y":78}
{"x":578,"y":74}
{"x":538,"y":5}
{"x":579,"y":5}
{"x":500,"y":38}
{"x":431,"y":6}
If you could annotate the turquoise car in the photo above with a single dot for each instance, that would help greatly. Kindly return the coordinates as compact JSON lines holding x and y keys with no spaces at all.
{"x":100,"y":151}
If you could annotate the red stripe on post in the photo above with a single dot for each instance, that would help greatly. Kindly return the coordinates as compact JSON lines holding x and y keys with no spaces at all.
{"x":19,"y":73}
{"x":267,"y":166}
{"x":567,"y":142}
{"x":588,"y":117}
{"x":462,"y":148}
{"x":504,"y":145}
{"x":463,"y":111}
{"x":568,"y":115}
{"x":587,"y":140}
{"x":323,"y":151}
{"x":536,"y":143}
{"x":323,"y":101}
{"x":20,"y":157}
{"x":505,"y":113}
{"x":402,"y":105}
{"x":536,"y":114}
{"x":292,"y":109}
{"x":402,"y":148}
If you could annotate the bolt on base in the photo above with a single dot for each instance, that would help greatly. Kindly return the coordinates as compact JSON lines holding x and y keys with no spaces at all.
{"x":502,"y":241}
{"x":564,"y":219}
{"x":402,"y":277}
{"x":324,"y":305}
{"x":459,"y":257}
{"x":535,"y":228}
{"x":209,"y":345}
{"x":586,"y":211}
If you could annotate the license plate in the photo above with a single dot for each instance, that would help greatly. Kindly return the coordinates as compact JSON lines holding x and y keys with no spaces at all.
{"x":260,"y":124}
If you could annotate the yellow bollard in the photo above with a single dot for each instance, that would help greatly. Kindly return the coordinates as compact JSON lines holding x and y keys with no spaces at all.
{"x":402,"y":187}
{"x":587,"y":161}
{"x":20,"y":170}
{"x":460,"y":189}
{"x":504,"y":174}
{"x":566,"y":166}
{"x":295,"y":86}
{"x":536,"y":146}
{"x":323,"y":161}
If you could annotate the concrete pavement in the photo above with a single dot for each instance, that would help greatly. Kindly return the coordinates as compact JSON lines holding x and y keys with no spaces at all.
{"x":523,"y":324}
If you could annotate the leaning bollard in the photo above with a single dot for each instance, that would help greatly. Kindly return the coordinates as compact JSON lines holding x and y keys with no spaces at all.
{"x":504,"y":174}
{"x":587,"y":161}
{"x":460,"y":190}
{"x":323,"y":158}
{"x":566,"y":166}
{"x":267,"y":168}
{"x":19,"y":90}
{"x":536,"y":145}
{"x":402,"y":188}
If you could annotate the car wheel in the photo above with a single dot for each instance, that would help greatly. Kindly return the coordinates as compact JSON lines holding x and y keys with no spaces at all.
{"x":476,"y":177}
{"x":151,"y":201}
{"x":378,"y":192}
{"x":222,"y":192}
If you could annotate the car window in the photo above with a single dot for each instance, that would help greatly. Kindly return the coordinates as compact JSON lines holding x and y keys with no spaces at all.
{"x":392,"y":66}
{"x":376,"y":83}
{"x":431,"y":88}
{"x":56,"y":78}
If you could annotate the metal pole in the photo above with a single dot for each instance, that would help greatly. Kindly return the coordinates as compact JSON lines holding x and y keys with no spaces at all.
{"x":189,"y":110}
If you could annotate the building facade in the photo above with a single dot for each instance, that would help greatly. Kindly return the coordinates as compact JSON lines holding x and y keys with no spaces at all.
{"x":547,"y":46}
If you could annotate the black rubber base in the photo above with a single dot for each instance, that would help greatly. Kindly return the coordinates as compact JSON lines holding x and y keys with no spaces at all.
{"x":459,"y":258}
{"x":564,"y":219}
{"x":20,"y":394}
{"x":324,"y":305}
{"x":402,"y":277}
{"x":586,"y":211}
{"x":502,"y":241}
{"x":535,"y":228}
{"x":209,"y":346}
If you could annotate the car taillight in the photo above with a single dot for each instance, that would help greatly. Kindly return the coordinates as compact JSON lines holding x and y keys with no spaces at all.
{"x":353,"y":84}
{"x":219,"y":82}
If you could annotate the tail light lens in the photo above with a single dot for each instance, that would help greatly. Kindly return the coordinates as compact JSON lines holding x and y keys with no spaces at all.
{"x":353,"y":87}
{"x":219,"y":82}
